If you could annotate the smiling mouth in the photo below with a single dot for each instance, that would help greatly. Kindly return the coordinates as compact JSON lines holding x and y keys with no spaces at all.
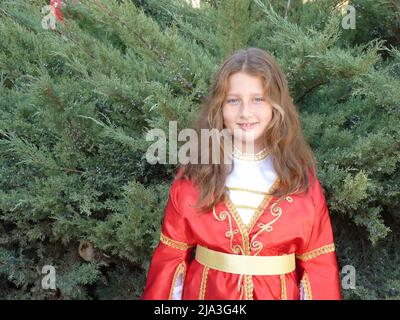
{"x":247,"y":126}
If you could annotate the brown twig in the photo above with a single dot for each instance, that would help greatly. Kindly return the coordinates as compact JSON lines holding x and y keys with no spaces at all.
{"x":309,"y":90}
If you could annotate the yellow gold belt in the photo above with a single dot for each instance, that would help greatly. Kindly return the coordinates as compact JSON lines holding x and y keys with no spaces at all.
{"x":242,"y":264}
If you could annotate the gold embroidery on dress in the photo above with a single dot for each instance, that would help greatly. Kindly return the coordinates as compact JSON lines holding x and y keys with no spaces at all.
{"x":247,"y":286}
{"x":245,"y":207}
{"x":240,"y":287}
{"x":283,"y":287}
{"x":181,"y":268}
{"x":238,"y":154}
{"x":241,"y":225}
{"x":173,"y":243}
{"x":230,"y":233}
{"x":247,"y":190}
{"x":237,"y":249}
{"x":289,"y":199}
{"x":316,"y":252}
{"x":264,"y":203}
{"x":305,"y":283}
{"x":203,"y":283}
{"x":276,"y":211}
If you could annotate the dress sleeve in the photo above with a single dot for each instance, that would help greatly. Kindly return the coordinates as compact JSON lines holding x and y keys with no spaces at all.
{"x":170,"y":259}
{"x":316,"y":259}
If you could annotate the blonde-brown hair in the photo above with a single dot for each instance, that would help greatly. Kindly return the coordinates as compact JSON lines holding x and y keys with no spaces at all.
{"x":293,"y":158}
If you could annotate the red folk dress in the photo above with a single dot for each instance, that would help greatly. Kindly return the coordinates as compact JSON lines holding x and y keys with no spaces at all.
{"x":300,"y":224}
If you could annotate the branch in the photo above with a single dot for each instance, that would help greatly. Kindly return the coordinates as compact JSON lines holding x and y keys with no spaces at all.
{"x":308,"y":91}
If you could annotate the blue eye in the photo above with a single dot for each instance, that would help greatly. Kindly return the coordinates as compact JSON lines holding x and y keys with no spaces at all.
{"x":259,"y":99}
{"x":232,"y":101}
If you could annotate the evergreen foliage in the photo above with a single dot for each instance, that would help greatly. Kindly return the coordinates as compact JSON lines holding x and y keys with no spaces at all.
{"x":76,"y":191}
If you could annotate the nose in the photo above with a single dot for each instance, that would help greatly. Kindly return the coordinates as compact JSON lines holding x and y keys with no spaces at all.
{"x":245,"y":109}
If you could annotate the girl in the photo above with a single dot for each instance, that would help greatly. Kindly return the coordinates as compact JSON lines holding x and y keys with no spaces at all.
{"x":257,"y":227}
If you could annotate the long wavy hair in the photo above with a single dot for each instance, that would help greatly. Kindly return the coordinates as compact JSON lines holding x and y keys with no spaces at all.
{"x":292,"y":156}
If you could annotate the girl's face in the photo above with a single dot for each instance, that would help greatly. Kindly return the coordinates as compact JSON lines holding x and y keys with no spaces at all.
{"x":245,"y":111}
